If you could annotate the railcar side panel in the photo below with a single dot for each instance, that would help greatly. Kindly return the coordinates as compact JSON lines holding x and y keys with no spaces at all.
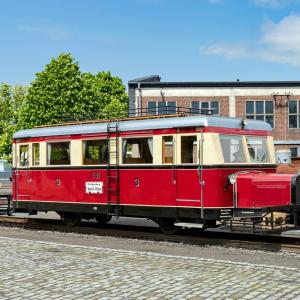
{"x":146,"y":187}
{"x":153,"y":187}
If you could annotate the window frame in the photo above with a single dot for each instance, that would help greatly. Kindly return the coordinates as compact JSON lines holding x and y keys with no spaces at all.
{"x":83,"y":154}
{"x":243,"y":141}
{"x":297,"y":114}
{"x":180,"y":147}
{"x":19,"y":155}
{"x":156,"y":107}
{"x":47,"y":153}
{"x":298,"y":152}
{"x":246,"y":151}
{"x":267,"y":146}
{"x":264,"y":114}
{"x":209,"y":105}
{"x":121,"y":157}
{"x":173,"y":149}
{"x":33,"y":155}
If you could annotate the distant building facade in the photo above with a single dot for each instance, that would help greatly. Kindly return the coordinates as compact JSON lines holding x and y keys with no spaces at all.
{"x":276,"y":102}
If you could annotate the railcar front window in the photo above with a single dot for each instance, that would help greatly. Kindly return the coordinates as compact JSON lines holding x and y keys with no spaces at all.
{"x":167,"y":149}
{"x":59,"y":153}
{"x":24,"y":155}
{"x":138,"y":150}
{"x":189,"y":149}
{"x":36,"y":154}
{"x":258,"y":149}
{"x":95,"y":152}
{"x":232,"y":148}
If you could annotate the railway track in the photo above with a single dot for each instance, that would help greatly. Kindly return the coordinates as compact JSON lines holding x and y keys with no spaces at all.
{"x":257,"y":241}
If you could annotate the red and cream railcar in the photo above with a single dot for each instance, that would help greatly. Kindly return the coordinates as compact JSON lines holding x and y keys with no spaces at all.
{"x":173,"y":169}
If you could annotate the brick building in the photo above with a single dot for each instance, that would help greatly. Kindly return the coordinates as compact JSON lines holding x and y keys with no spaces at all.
{"x":277,"y":102}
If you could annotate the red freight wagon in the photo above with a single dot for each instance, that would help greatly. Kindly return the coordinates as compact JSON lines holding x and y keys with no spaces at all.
{"x":174,"y":170}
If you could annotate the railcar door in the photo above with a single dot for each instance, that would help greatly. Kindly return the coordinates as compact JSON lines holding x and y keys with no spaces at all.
{"x":23,"y":173}
{"x":189,"y":173}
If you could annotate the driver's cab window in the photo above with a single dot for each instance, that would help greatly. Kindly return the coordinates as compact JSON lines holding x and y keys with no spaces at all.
{"x":232,"y":148}
{"x":258,"y":149}
{"x":24,"y":155}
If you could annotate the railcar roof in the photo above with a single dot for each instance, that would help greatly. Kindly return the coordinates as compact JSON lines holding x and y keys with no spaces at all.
{"x":143,"y":124}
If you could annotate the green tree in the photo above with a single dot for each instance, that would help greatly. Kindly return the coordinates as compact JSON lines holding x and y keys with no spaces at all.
{"x":11,"y":100}
{"x":114,"y":109}
{"x":54,"y":94}
{"x":104,"y":96}
{"x":61,"y":92}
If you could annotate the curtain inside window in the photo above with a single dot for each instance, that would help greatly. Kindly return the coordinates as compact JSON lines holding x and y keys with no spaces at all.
{"x":150,"y":144}
{"x":124,"y":147}
{"x":48,"y":154}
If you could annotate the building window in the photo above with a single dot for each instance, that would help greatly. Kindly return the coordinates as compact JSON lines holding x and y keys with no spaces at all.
{"x":95,"y":152}
{"x":35,"y":154}
{"x":294,"y":152}
{"x":213,"y":106}
{"x":260,"y":110}
{"x":138,"y":151}
{"x":294,"y":114}
{"x":58,"y":153}
{"x":161,"y":108}
{"x":24,"y":155}
{"x":152,"y":108}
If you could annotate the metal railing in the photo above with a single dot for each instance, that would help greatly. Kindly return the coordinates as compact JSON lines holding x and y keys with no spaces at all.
{"x":169,"y":110}
{"x":134,"y":113}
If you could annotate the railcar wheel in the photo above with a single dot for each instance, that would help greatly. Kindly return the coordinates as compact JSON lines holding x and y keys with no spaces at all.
{"x":71,"y":219}
{"x":103,"y":219}
{"x":166,"y":225}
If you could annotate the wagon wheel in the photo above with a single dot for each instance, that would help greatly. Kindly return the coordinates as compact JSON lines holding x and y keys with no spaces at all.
{"x":166,"y":225}
{"x":103,"y":219}
{"x":71,"y":219}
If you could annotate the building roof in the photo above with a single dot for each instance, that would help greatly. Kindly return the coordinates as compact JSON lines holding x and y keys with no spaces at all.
{"x":142,"y":124}
{"x":150,"y":78}
{"x":153,"y":81}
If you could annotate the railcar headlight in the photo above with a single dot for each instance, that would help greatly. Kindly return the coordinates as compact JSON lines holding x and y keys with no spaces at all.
{"x":232,"y":178}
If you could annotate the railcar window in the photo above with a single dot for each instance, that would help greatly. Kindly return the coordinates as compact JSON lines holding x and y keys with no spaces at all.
{"x":258,"y":149}
{"x":189,"y":149}
{"x":138,"y":150}
{"x":95,"y":152}
{"x":58,"y":153}
{"x":36,"y":154}
{"x":232,"y":148}
{"x":167,"y":149}
{"x":24,"y":155}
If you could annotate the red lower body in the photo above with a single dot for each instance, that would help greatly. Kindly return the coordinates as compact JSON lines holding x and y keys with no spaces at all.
{"x":161,"y":187}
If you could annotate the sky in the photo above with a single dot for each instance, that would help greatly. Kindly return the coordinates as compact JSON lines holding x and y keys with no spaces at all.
{"x":180,"y":40}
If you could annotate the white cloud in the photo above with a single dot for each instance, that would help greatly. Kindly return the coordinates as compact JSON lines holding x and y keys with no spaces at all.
{"x":272,"y":3}
{"x":54,"y":31}
{"x":279,"y":42}
{"x":228,"y":51}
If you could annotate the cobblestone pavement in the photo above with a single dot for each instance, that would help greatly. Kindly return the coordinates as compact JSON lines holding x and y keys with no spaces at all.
{"x":44,"y":270}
